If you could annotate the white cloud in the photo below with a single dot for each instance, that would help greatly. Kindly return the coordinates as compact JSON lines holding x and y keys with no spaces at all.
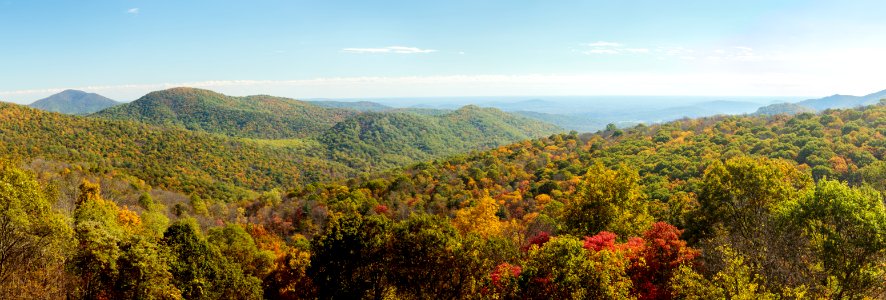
{"x":637,"y":50}
{"x":604,"y":44}
{"x":391,"y":49}
{"x":602,"y":51}
{"x":133,"y":11}
{"x":674,"y":51}
{"x":603,"y":47}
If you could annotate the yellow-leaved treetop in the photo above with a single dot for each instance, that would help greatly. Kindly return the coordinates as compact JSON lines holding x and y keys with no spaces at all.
{"x":480,"y":218}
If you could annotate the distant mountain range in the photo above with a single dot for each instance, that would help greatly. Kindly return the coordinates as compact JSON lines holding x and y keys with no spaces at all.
{"x":357,"y":105}
{"x":829,"y":102}
{"x":277,"y":117}
{"x":74,"y":102}
{"x":843,"y":101}
{"x":593,"y":116}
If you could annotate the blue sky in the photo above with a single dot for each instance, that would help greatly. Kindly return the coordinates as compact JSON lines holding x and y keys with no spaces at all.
{"x":336,"y":49}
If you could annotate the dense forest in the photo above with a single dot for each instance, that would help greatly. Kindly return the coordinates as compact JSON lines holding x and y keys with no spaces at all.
{"x":166,"y":157}
{"x":726,"y":207}
{"x":229,"y":168}
{"x":392,"y":138}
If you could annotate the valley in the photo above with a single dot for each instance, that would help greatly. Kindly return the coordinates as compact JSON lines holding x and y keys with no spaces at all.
{"x":305,"y":213}
{"x":424,"y":150}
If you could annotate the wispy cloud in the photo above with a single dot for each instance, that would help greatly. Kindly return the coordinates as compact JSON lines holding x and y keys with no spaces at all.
{"x":736,"y":53}
{"x":636,"y":50}
{"x":391,"y":49}
{"x":604,"y":44}
{"x":602,"y":51}
{"x":133,"y":11}
{"x":604,"y":47}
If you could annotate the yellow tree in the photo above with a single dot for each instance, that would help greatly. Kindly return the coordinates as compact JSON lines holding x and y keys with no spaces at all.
{"x":480,"y":218}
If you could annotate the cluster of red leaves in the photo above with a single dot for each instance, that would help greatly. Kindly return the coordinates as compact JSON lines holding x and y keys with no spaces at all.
{"x":605,"y":240}
{"x":504,"y":271}
{"x":664,"y":253}
{"x":381,"y":209}
{"x":503,"y":278}
{"x":539,"y":240}
{"x":653,"y":258}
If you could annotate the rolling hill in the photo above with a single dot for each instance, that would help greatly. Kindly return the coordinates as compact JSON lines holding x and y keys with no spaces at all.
{"x":193,"y":140}
{"x":252,"y":116}
{"x":724,"y":182}
{"x":685,"y":202}
{"x":389,"y":139}
{"x":74,"y":102}
{"x":783,"y":108}
{"x":169,"y":157}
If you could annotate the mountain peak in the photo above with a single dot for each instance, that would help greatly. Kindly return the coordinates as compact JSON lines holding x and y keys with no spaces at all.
{"x":72,"y":92}
{"x":74,"y":102}
{"x":252,"y":116}
{"x":184,"y":91}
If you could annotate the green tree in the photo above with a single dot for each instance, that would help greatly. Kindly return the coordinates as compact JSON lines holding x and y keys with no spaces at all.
{"x":34,"y":238}
{"x":847,"y":231}
{"x":99,"y":237}
{"x":201,"y":271}
{"x":420,"y":247}
{"x":114,"y":259}
{"x":741,"y":193}
{"x":737,"y":280}
{"x":563,"y":269}
{"x":738,"y":201}
{"x":237,"y":245}
{"x":609,"y":200}
{"x":874,"y":175}
{"x":142,"y":271}
{"x":350,"y":257}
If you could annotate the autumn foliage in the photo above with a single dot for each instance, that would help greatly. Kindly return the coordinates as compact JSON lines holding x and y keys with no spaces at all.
{"x":728,"y":207}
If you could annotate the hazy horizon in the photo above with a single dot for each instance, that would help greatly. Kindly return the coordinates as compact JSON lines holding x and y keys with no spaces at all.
{"x":411,"y":101}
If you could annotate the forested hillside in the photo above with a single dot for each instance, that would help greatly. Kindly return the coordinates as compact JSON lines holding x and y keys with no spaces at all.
{"x":394,"y":138}
{"x":253,"y":116}
{"x":712,"y":208}
{"x":729,"y":207}
{"x":170,"y":158}
{"x":228,"y":167}
{"x":783,"y":108}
